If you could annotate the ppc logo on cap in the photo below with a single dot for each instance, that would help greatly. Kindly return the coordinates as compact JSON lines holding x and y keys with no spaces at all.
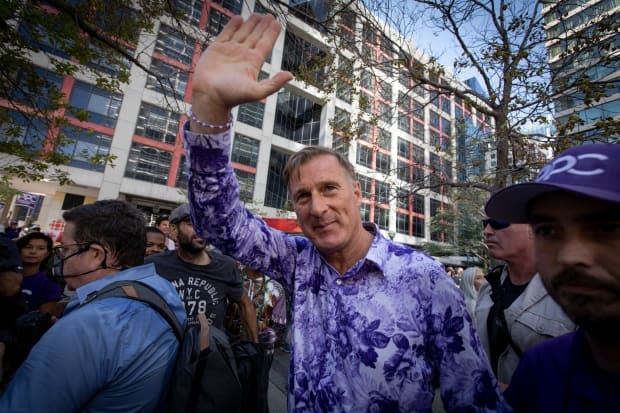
{"x":589,"y":170}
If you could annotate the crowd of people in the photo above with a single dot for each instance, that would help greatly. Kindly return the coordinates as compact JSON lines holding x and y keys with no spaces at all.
{"x":377,"y":326}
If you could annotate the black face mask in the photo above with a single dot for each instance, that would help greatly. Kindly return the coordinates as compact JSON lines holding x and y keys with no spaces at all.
{"x":58,"y":263}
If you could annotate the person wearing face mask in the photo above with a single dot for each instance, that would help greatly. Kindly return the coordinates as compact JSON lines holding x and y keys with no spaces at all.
{"x":111,"y":354}
{"x":40,"y":291}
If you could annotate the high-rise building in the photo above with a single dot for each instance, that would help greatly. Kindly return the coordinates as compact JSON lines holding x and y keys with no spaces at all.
{"x":569,"y":25}
{"x":406,"y":133}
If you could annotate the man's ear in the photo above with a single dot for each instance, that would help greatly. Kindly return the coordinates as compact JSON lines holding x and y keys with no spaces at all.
{"x":174,"y":230}
{"x":99,"y":253}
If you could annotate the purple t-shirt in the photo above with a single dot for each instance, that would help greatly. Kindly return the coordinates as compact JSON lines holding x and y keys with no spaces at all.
{"x":39,"y":289}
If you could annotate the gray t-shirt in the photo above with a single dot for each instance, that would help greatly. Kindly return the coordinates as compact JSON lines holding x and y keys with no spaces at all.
{"x":205,"y":289}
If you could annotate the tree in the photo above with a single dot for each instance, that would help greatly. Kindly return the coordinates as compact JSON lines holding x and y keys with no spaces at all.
{"x":42,"y":41}
{"x":502,"y":41}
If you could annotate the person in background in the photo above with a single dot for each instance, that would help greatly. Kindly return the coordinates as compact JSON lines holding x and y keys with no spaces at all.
{"x":207,"y":281}
{"x":155,"y":241}
{"x":513,"y":309}
{"x":574,"y":210}
{"x":12,"y":305}
{"x":113,"y":354}
{"x":40,"y":291}
{"x":163,"y":224}
{"x":471,"y":281}
{"x":378,"y":326}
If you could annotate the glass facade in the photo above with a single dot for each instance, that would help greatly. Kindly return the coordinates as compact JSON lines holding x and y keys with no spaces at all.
{"x":158,"y":124}
{"x":148,"y":164}
{"x":297,"y":118}
{"x":102,"y":106}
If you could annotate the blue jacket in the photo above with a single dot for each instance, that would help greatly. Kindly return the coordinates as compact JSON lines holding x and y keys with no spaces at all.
{"x":114,"y":354}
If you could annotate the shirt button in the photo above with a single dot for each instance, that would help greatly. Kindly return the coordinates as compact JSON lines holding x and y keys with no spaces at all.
{"x":339,"y":281}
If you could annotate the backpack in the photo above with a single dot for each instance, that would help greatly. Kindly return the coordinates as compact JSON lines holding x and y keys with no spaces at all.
{"x":222,"y":378}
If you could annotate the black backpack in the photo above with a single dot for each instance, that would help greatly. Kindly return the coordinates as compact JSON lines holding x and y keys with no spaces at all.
{"x":223,"y":378}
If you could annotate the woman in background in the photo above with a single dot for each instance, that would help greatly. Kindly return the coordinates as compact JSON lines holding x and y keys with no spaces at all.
{"x":40,"y":292}
{"x":471,"y":280}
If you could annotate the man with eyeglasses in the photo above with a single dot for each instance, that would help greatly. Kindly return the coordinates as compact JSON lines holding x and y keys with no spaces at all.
{"x":109,"y":354}
{"x":514,"y":310}
{"x":573,"y":208}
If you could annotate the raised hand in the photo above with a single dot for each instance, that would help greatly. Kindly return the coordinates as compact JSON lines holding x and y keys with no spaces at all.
{"x":226,"y":74}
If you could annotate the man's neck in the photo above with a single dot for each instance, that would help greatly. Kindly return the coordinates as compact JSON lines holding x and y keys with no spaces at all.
{"x":521,"y":272}
{"x":605,"y":351}
{"x":199,"y":258}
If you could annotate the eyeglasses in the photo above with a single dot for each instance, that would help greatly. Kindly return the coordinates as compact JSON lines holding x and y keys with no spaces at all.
{"x":495,"y":224}
{"x":60,"y":251}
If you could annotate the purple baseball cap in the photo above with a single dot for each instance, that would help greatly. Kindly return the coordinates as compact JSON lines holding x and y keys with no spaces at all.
{"x":590,"y":170}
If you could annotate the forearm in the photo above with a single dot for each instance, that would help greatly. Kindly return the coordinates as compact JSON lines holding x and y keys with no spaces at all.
{"x":248,"y":317}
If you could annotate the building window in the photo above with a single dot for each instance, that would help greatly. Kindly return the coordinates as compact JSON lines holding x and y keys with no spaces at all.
{"x":418,"y":154}
{"x":216,"y":22}
{"x":158,"y":124}
{"x":276,"y":195}
{"x":402,"y":223}
{"x":25,"y":129}
{"x":385,"y":90}
{"x":383,"y":163}
{"x":189,"y":11}
{"x":232,"y":5}
{"x":382,"y":218}
{"x":175,"y":44}
{"x":302,"y":55}
{"x":37,"y":97}
{"x":245,"y":150}
{"x":182,"y":176}
{"x":297,"y":118}
{"x":85,"y":145}
{"x":365,"y":212}
{"x":403,"y":171}
{"x":246,"y":185}
{"x":418,"y":227}
{"x":102,"y":106}
{"x":344,"y":90}
{"x":252,"y":114}
{"x":148,"y":164}
{"x":418,"y":204}
{"x":365,"y":186}
{"x":385,"y":139}
{"x":383,"y":192}
{"x":170,"y":80}
{"x":36,"y":37}
{"x":364,"y":155}
{"x":71,"y":201}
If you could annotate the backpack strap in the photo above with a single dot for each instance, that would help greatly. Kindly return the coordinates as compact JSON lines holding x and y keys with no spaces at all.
{"x":139,"y":291}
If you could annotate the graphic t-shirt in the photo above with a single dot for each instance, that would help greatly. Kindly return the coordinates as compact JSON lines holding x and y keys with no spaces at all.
{"x":39,"y":289}
{"x":204,"y":289}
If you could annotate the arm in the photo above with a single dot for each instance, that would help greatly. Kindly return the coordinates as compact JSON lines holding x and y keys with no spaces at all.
{"x":465,"y":378}
{"x":226,"y":76}
{"x":248,"y":317}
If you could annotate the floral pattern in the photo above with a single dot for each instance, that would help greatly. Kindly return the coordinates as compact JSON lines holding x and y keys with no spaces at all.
{"x":379,"y":338}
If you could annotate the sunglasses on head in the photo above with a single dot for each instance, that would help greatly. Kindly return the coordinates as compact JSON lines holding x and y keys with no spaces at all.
{"x":495,"y":224}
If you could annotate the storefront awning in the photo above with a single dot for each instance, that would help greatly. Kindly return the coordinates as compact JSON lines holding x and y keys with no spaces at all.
{"x":288,"y":225}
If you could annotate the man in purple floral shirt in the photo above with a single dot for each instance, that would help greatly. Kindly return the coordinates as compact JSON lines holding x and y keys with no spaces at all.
{"x":377,"y":325}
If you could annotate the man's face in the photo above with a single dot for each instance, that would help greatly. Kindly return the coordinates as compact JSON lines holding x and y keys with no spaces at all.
{"x":164,"y":226}
{"x":79,"y":263}
{"x":577,"y":248}
{"x":155,"y":243}
{"x":186,"y":237}
{"x":327,"y":203}
{"x":508,"y":243}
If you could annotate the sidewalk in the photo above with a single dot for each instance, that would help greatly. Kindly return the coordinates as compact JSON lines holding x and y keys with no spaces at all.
{"x":278,"y":382}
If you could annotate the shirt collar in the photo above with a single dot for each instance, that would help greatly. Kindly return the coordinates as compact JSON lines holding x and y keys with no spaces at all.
{"x":131,"y":274}
{"x":379,"y":251}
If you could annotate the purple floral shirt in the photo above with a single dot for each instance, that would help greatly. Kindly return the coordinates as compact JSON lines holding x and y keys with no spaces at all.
{"x":379,"y":338}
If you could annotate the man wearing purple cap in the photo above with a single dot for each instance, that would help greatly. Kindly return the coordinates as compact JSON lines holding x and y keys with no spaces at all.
{"x":574,"y":210}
